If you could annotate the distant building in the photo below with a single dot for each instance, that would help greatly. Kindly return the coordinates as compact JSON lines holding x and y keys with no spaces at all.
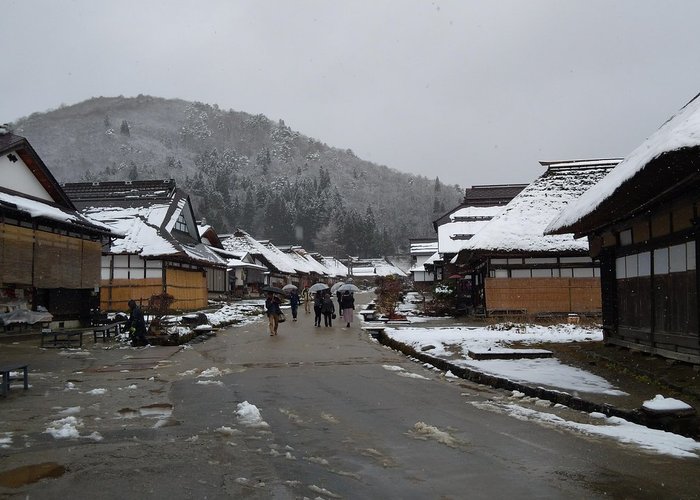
{"x":480,"y":205}
{"x":421,"y":250}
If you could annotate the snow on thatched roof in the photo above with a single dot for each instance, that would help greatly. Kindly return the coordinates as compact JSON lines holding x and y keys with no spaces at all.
{"x":376,"y":267}
{"x":39,"y":209}
{"x":520,"y":226}
{"x":465,"y":222}
{"x":423,"y":247}
{"x":266,"y":251}
{"x":681,"y":131}
{"x":335,"y":268}
{"x":144,"y":215}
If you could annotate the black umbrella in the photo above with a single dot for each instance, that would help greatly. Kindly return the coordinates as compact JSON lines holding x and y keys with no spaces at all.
{"x":273,"y":289}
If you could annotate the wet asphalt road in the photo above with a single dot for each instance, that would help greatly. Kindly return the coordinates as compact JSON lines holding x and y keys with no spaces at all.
{"x":345,"y":418}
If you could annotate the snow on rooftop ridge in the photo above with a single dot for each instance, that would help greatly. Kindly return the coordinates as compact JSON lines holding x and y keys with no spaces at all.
{"x":582,"y":163}
{"x":680,"y":131}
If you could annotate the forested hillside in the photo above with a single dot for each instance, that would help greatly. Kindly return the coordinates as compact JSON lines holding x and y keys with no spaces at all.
{"x":244,"y":171}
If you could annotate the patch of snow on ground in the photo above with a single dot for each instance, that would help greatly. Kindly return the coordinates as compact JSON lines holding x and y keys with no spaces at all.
{"x":662,"y":404}
{"x":64,"y":428}
{"x":239,"y":312}
{"x":454,"y":343}
{"x":211,"y":372}
{"x":6,"y":440}
{"x":97,"y":392}
{"x":210,"y":382}
{"x":421,"y":430}
{"x":653,"y":440}
{"x":249,"y":415}
{"x":70,"y":411}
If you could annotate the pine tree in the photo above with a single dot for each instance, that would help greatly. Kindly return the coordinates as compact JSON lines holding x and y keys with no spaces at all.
{"x":133,"y":172}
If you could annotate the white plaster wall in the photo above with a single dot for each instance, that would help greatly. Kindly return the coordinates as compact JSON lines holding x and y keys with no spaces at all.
{"x":18,"y":177}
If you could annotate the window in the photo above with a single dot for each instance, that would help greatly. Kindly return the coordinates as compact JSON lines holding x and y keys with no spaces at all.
{"x":515,"y":261}
{"x":541,"y":260}
{"x":541,"y":273}
{"x":644,"y":264}
{"x":626,"y":237}
{"x":583,"y":272}
{"x":501,"y":273}
{"x":181,"y":224}
{"x":631,"y":266}
{"x":520,"y":273}
{"x":676,"y":258}
{"x":566,"y":272}
{"x":690,"y":254}
{"x":661,"y":261}
{"x":499,"y":261}
{"x":620,"y":271}
{"x":575,"y":260}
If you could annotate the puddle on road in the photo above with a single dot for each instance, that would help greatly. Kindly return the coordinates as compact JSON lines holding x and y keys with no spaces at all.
{"x":27,"y":474}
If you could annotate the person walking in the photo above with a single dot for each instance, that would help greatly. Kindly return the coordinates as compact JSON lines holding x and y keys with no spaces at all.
{"x":272,"y":306}
{"x":294,"y":302}
{"x":318,"y":305}
{"x":328,"y":309}
{"x":136,"y":325}
{"x":347,"y":307}
{"x":306,"y":297}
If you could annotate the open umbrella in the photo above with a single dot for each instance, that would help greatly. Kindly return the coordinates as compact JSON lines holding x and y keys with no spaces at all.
{"x":335,"y":286}
{"x":348,"y":287}
{"x":272,"y":289}
{"x":289,"y":287}
{"x":317,"y":287}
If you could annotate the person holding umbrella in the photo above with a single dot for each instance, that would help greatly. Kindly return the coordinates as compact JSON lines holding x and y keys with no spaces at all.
{"x":272,"y":306}
{"x":327,"y":308}
{"x":347,"y":307}
{"x":318,"y":304}
{"x":294,"y":302}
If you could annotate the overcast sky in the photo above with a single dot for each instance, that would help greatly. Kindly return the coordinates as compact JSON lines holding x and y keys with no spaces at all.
{"x":475,"y":92}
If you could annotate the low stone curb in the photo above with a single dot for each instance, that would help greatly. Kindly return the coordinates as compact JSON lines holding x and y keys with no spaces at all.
{"x":688,"y":426}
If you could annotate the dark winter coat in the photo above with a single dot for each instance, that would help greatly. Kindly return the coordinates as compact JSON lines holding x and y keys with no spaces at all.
{"x":347,"y":302}
{"x":327,"y":307}
{"x":273,"y":306}
{"x":137,"y":322}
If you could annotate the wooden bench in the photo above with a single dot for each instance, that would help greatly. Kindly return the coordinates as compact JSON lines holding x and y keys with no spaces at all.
{"x":104,"y":331}
{"x":5,"y":373}
{"x":62,"y":338}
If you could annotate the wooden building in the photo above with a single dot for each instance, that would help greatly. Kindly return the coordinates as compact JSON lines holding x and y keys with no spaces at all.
{"x":280,"y":268}
{"x":480,"y":205}
{"x":161,"y":251}
{"x":642,"y":224}
{"x":421,"y":249}
{"x":511,"y":267}
{"x":49,"y":253}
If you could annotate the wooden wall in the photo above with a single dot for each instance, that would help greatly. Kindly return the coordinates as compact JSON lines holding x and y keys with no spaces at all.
{"x":47,"y":260}
{"x":544,"y":295}
{"x":114,"y":295}
{"x":188,"y":286}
